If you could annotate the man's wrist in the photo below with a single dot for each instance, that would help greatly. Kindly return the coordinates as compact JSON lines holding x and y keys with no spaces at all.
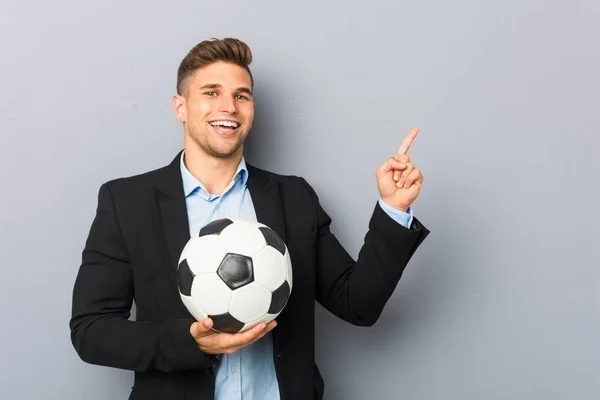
{"x":404,"y":218}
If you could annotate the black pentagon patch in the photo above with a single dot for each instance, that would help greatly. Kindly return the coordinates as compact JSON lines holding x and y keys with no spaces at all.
{"x":226,"y":323}
{"x":215,"y":227}
{"x":236,"y":270}
{"x":273,"y":239}
{"x":279,"y":298}
{"x":185,"y":277}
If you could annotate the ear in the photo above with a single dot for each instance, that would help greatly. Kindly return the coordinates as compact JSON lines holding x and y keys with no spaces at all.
{"x":178,"y":105}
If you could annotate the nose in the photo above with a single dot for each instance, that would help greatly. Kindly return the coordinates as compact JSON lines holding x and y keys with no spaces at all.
{"x":227,"y":104}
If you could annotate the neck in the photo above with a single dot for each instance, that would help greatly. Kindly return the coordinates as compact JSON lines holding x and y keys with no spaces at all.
{"x":215,"y":174}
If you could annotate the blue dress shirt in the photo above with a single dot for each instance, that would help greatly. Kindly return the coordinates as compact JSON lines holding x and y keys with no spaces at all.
{"x":250,"y":372}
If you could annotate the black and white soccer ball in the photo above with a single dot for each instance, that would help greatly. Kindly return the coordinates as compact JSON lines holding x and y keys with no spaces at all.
{"x":237,"y":272}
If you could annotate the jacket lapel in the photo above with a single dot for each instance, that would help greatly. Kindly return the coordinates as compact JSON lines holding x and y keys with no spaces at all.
{"x":173,"y":214}
{"x":266,"y":199}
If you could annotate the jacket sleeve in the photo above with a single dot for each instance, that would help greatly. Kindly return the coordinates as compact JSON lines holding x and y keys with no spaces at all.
{"x":358,"y":290}
{"x":103,"y":293}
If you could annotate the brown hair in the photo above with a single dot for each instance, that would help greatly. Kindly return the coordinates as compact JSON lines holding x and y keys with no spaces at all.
{"x":210,"y":51}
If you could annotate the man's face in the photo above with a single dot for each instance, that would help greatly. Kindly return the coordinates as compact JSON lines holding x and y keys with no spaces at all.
{"x":217,"y":108}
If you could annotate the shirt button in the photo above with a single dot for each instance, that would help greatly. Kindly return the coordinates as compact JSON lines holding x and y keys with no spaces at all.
{"x":233,"y":369}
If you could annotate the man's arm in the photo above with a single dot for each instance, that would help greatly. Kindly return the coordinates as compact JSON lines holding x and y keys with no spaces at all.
{"x":357,"y":291}
{"x":102,"y":297}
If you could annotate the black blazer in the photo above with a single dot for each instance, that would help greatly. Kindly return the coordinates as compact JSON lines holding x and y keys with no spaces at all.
{"x":131,"y":254}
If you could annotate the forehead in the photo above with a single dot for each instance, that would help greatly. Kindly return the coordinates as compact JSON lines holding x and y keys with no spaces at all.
{"x":225,"y":74}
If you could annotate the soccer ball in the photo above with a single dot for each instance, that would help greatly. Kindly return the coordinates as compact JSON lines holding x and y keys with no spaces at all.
{"x":237,"y":272}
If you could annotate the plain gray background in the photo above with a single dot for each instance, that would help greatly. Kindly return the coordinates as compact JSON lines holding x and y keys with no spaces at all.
{"x":500,"y":302}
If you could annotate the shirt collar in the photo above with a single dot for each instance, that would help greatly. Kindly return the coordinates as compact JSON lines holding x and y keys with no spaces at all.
{"x":191,"y":183}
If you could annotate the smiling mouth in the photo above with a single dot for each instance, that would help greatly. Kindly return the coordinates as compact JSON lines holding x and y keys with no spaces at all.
{"x":225,"y":127}
{"x":225,"y":124}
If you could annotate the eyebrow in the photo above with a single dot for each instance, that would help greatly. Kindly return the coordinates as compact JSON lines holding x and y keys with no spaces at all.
{"x":242,"y":89}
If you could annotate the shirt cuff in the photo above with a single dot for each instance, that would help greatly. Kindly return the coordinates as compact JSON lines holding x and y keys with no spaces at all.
{"x":403,"y":218}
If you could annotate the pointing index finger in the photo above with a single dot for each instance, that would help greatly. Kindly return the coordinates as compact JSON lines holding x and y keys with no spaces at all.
{"x":412,"y":134}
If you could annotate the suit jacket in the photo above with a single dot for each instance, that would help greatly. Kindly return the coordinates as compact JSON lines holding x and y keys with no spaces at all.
{"x":131,"y":254}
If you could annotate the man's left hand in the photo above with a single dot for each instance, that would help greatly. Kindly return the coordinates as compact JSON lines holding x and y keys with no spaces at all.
{"x":398,"y":180}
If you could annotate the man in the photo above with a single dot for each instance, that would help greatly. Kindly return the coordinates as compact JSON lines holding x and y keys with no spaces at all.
{"x":143,"y":222}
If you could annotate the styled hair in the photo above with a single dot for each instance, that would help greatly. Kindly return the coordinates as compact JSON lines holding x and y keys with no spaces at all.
{"x":210,"y":51}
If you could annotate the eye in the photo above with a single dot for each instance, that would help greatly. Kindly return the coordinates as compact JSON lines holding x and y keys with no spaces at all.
{"x":241,"y":97}
{"x":210,"y":93}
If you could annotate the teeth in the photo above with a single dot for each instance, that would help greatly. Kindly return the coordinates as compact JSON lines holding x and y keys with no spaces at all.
{"x":224,"y":123}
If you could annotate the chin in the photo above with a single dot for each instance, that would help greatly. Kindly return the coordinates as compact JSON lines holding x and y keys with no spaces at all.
{"x":223,"y":152}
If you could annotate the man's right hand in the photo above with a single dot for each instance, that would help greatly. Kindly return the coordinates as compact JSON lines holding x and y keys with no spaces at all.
{"x":212,"y":342}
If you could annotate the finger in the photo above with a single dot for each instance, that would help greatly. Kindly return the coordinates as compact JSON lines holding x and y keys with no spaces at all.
{"x":409,"y":168}
{"x":243,"y":338}
{"x":270,"y":326}
{"x":392,"y":164}
{"x":230,"y":343}
{"x":405,"y":145}
{"x":201,"y":328}
{"x":415,"y":176}
{"x":398,"y":171}
{"x":403,"y":158}
{"x":404,"y":174}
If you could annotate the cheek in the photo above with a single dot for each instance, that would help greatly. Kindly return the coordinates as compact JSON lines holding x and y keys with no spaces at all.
{"x":203,"y":110}
{"x":200,"y":110}
{"x":249,"y":114}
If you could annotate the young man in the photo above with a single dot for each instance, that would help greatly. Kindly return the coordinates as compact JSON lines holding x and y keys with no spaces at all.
{"x":143,"y":222}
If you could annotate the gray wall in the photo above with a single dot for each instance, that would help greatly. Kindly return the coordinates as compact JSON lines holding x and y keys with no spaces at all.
{"x":502,"y":300}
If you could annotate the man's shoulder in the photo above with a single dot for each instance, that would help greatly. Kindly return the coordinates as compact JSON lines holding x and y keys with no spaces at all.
{"x":269,"y":175}
{"x":291,"y":185}
{"x":137,"y":181}
{"x":166,"y":176}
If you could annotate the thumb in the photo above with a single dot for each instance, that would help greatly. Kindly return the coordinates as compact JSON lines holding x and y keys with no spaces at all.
{"x":391,"y":164}
{"x":201,"y":328}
